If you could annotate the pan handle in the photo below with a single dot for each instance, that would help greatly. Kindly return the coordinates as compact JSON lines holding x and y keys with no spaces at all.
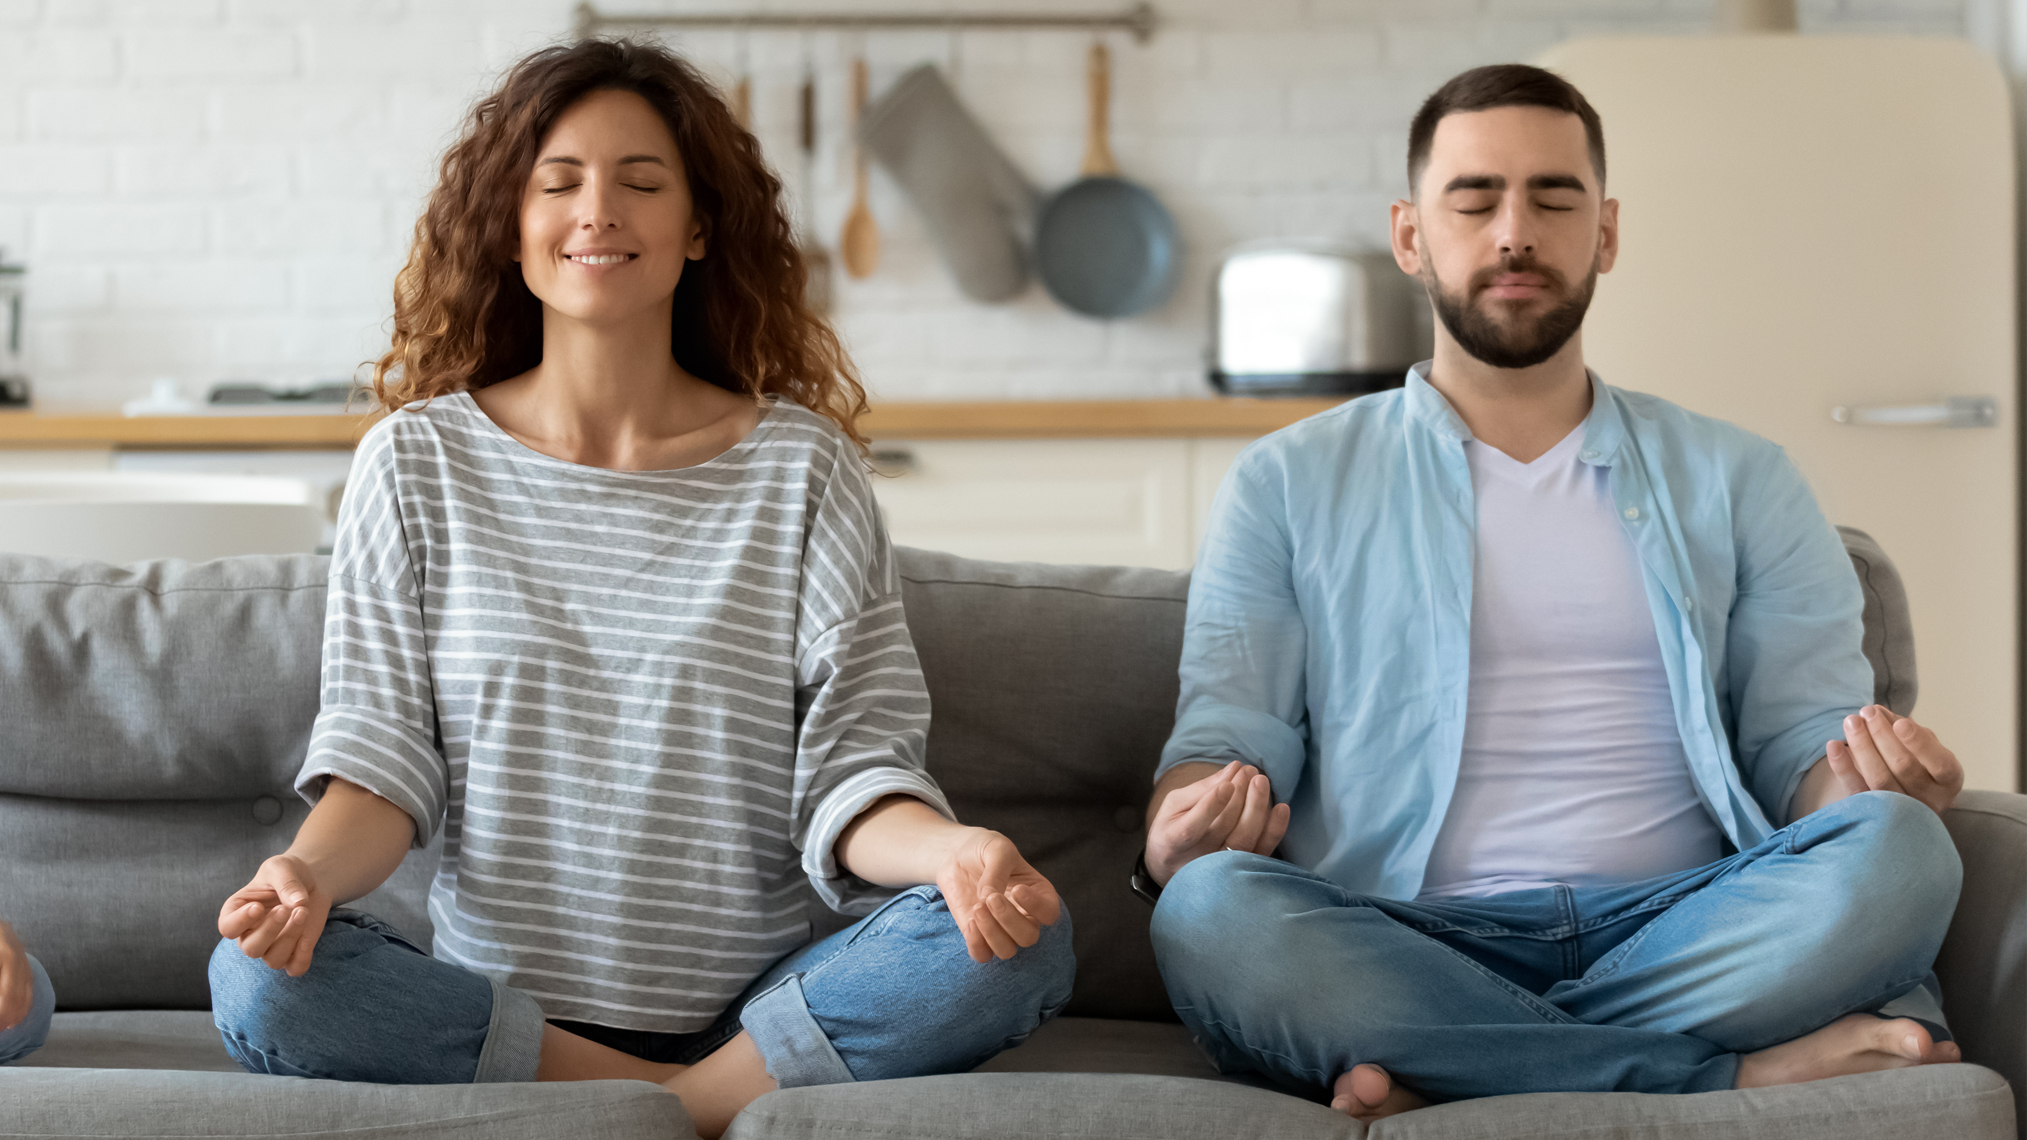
{"x":1098,"y":160}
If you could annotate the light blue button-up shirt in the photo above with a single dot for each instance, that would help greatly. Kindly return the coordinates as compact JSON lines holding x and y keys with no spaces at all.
{"x":1329,"y":631}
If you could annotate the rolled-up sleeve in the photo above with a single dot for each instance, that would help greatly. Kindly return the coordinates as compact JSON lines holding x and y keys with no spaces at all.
{"x":862,"y":706}
{"x":1244,"y":641}
{"x":376,"y":724}
{"x":1795,"y":655}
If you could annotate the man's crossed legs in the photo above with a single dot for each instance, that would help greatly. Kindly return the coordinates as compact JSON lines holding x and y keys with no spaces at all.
{"x":1684,"y":983}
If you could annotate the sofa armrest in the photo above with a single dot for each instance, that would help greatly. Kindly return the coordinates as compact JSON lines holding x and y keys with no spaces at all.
{"x":1983,"y":964}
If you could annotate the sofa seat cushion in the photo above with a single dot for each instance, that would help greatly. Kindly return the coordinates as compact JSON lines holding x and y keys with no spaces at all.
{"x":1101,"y":1045}
{"x":58,"y":1104}
{"x":133,"y":1039}
{"x":1958,"y":1101}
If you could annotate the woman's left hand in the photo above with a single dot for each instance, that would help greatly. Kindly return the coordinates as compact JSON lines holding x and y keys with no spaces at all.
{"x":999,"y":901}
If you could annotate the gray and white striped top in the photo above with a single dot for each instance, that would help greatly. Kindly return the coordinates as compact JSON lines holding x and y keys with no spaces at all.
{"x":642,"y":704}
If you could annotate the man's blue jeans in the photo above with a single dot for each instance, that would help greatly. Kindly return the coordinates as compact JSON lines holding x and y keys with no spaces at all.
{"x":27,"y":1036}
{"x":895,"y":995}
{"x":1655,"y":986}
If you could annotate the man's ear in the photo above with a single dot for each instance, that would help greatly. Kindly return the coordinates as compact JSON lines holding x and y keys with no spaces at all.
{"x":1404,"y":227}
{"x":1608,"y":234}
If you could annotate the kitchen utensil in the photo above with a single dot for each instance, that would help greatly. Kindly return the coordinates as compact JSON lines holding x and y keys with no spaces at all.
{"x":13,"y":280}
{"x":816,"y":260}
{"x":1104,"y":246}
{"x":974,"y":201}
{"x":1312,"y":318}
{"x":859,"y":243}
{"x":742,"y":101}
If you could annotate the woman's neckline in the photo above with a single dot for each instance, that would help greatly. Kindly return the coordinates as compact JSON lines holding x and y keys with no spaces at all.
{"x":767,"y":417}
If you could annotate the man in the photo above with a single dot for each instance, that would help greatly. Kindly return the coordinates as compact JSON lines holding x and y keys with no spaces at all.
{"x":1550,"y":696}
{"x":26,"y":999}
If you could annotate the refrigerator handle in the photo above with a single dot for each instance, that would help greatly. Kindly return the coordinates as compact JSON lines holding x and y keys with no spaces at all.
{"x":1954,"y":412}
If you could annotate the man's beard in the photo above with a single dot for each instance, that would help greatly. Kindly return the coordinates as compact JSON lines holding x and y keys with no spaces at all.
{"x":1504,"y":346}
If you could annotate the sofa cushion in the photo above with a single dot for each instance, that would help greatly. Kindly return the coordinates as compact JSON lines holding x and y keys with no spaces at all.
{"x":102,"y":1104}
{"x":133,"y":1039}
{"x":160,"y":680}
{"x":1963,"y":1102}
{"x":1052,"y":690}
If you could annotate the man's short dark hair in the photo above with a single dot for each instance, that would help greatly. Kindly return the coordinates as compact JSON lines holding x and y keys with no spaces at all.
{"x":1501,"y":85}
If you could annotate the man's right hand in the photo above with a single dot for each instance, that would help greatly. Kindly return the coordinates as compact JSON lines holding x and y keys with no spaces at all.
{"x":278,"y":916}
{"x":1232,"y":808}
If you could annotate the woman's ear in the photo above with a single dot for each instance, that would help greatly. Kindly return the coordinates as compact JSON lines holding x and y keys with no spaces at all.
{"x":700,"y":232}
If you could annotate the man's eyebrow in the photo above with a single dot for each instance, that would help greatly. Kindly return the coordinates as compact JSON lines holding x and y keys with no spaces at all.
{"x":1476,"y":182}
{"x":1556,"y":182}
{"x":568,"y":161}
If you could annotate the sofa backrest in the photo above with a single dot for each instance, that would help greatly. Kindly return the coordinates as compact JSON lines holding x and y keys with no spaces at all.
{"x":153,"y":717}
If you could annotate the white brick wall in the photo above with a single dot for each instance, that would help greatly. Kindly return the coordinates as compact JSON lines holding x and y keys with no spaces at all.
{"x":217,"y":189}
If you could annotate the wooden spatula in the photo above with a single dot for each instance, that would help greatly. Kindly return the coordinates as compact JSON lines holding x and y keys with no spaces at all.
{"x":859,"y":244}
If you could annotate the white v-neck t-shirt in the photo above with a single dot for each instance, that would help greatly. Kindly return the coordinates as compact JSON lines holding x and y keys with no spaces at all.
{"x":1573,"y":770}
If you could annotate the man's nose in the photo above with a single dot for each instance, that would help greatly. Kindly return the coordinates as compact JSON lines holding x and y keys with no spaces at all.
{"x":1515,"y":230}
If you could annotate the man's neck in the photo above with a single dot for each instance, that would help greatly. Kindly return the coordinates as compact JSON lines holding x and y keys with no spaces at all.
{"x":1521,"y":411}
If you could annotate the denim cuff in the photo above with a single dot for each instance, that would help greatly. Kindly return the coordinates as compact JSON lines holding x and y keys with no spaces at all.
{"x":791,"y":1042}
{"x":513,"y":1049}
{"x":1923,"y":1003}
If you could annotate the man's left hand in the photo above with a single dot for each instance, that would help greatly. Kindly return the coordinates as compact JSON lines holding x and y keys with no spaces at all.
{"x":1882,"y":752}
{"x":999,"y":901}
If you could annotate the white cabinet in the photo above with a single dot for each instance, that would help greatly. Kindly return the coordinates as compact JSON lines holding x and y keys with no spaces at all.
{"x":1133,"y":502}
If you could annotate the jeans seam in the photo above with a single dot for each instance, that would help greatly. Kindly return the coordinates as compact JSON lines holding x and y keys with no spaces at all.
{"x":232,"y":1035}
{"x":1291,"y":1063}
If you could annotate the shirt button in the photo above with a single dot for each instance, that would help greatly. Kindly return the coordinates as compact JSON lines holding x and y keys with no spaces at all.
{"x":1632,"y":512}
{"x":1688,"y":605}
{"x":1588,"y":455}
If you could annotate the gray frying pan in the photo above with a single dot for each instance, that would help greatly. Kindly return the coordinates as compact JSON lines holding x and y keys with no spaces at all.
{"x":1105,"y":247}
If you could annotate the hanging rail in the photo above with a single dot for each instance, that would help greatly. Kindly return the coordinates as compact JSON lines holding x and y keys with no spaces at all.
{"x":1139,"y":19}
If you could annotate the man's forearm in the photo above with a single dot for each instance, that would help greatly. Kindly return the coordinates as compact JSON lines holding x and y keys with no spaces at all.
{"x":1819,"y":788}
{"x":1181,"y":776}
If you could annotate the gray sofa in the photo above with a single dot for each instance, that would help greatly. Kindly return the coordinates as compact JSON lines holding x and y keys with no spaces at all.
{"x":152,"y":719}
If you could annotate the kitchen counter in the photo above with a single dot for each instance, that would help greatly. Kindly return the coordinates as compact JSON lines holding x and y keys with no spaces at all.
{"x":1012,"y":419}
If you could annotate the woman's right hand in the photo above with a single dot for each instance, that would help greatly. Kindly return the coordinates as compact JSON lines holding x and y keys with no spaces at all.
{"x":278,"y":916}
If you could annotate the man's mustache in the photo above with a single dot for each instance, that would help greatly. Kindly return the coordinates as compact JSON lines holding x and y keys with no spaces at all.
{"x":1483,"y":279}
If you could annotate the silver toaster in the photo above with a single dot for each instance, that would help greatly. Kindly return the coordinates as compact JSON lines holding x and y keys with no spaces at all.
{"x":1313,"y":318}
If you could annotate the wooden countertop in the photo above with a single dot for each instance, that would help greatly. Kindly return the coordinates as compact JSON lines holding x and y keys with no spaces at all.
{"x":1011,"y":419}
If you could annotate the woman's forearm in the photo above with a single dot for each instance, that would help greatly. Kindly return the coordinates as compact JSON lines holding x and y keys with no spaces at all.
{"x":352,"y":840}
{"x":899,"y":842}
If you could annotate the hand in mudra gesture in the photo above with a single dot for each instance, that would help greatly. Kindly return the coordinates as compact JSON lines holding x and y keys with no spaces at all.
{"x":278,"y":916}
{"x":1884,"y":752}
{"x":999,"y":901}
{"x":1234,"y":810}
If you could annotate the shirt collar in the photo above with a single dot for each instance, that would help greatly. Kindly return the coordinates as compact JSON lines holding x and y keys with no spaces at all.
{"x":1604,"y":427}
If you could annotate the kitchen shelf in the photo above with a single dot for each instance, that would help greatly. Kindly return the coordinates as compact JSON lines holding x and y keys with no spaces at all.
{"x":1011,"y":419}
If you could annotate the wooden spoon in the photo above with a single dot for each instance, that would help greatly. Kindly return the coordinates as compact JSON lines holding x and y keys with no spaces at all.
{"x":859,"y":244}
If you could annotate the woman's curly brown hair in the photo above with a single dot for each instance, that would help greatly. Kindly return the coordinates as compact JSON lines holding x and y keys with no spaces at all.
{"x":464,"y":318}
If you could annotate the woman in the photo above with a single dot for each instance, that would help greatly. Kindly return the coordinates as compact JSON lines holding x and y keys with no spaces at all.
{"x":611,"y":603}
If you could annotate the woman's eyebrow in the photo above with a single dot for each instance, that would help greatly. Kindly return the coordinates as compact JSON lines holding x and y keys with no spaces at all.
{"x":568,"y":161}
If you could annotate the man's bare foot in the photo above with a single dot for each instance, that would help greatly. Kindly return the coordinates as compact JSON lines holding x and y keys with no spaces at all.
{"x":1366,"y":1092}
{"x":1860,"y":1043}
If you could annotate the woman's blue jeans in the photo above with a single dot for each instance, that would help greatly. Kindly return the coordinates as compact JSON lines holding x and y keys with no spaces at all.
{"x":895,"y":995}
{"x":1655,"y":986}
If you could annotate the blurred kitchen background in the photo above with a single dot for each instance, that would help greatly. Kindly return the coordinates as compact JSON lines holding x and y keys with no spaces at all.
{"x":203,"y":204}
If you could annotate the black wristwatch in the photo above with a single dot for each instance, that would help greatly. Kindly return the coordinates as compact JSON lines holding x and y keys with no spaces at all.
{"x":1142,"y":882}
